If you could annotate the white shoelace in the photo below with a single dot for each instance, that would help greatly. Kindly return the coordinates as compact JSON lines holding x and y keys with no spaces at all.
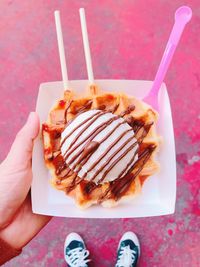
{"x":126,"y":257}
{"x":77,"y":257}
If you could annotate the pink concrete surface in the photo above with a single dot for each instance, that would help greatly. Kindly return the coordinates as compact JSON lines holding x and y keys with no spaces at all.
{"x":127,"y":40}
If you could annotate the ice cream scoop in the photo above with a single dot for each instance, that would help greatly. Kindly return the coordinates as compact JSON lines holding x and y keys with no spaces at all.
{"x":99,"y":146}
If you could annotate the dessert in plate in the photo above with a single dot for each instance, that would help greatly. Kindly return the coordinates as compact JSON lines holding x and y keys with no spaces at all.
{"x":101,"y":146}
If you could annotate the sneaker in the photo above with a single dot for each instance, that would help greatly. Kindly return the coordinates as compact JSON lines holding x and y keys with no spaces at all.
{"x":75,"y":252}
{"x":128,"y":250}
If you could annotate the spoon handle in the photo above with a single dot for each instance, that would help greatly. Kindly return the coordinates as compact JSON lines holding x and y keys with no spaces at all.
{"x":173,"y":41}
{"x":163,"y":67}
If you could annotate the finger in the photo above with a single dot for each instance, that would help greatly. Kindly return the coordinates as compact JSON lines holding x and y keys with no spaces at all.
{"x":14,"y":233}
{"x":21,"y":150}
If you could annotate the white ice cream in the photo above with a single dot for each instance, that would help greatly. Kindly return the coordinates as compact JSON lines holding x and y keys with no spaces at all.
{"x":120,"y":166}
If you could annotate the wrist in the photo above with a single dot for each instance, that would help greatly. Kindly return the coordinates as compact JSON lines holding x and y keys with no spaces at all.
{"x":7,"y":252}
{"x":12,"y":240}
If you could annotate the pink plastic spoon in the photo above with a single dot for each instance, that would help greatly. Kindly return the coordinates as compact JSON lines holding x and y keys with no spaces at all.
{"x":182,"y":17}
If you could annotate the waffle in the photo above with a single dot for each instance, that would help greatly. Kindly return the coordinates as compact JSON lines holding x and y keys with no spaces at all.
{"x":141,"y":117}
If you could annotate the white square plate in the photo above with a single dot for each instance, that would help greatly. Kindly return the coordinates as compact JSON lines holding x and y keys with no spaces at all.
{"x":159,"y":191}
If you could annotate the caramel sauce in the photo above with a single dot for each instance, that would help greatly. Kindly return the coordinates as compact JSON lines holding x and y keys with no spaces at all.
{"x":143,"y":179}
{"x":59,"y":163}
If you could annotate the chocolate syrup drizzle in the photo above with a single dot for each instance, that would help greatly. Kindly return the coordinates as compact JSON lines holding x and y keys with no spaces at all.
{"x":118,"y":187}
{"x":83,"y":108}
{"x":124,"y":179}
{"x":95,"y":132}
{"x":67,"y":109}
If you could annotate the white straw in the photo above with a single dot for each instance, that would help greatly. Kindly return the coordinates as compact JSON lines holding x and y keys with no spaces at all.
{"x":86,"y":46}
{"x":61,"y":50}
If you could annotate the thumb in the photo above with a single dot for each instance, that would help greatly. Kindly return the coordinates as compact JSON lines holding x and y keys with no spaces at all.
{"x":21,"y":149}
{"x":15,"y":170}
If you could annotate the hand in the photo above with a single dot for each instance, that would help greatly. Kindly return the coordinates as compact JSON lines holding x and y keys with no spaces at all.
{"x":18,"y":224}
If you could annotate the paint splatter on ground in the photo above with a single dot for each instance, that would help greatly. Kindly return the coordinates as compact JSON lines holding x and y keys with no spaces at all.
{"x":127,"y":40}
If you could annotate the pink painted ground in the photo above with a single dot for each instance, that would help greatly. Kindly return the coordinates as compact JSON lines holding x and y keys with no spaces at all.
{"x":127,"y":41}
